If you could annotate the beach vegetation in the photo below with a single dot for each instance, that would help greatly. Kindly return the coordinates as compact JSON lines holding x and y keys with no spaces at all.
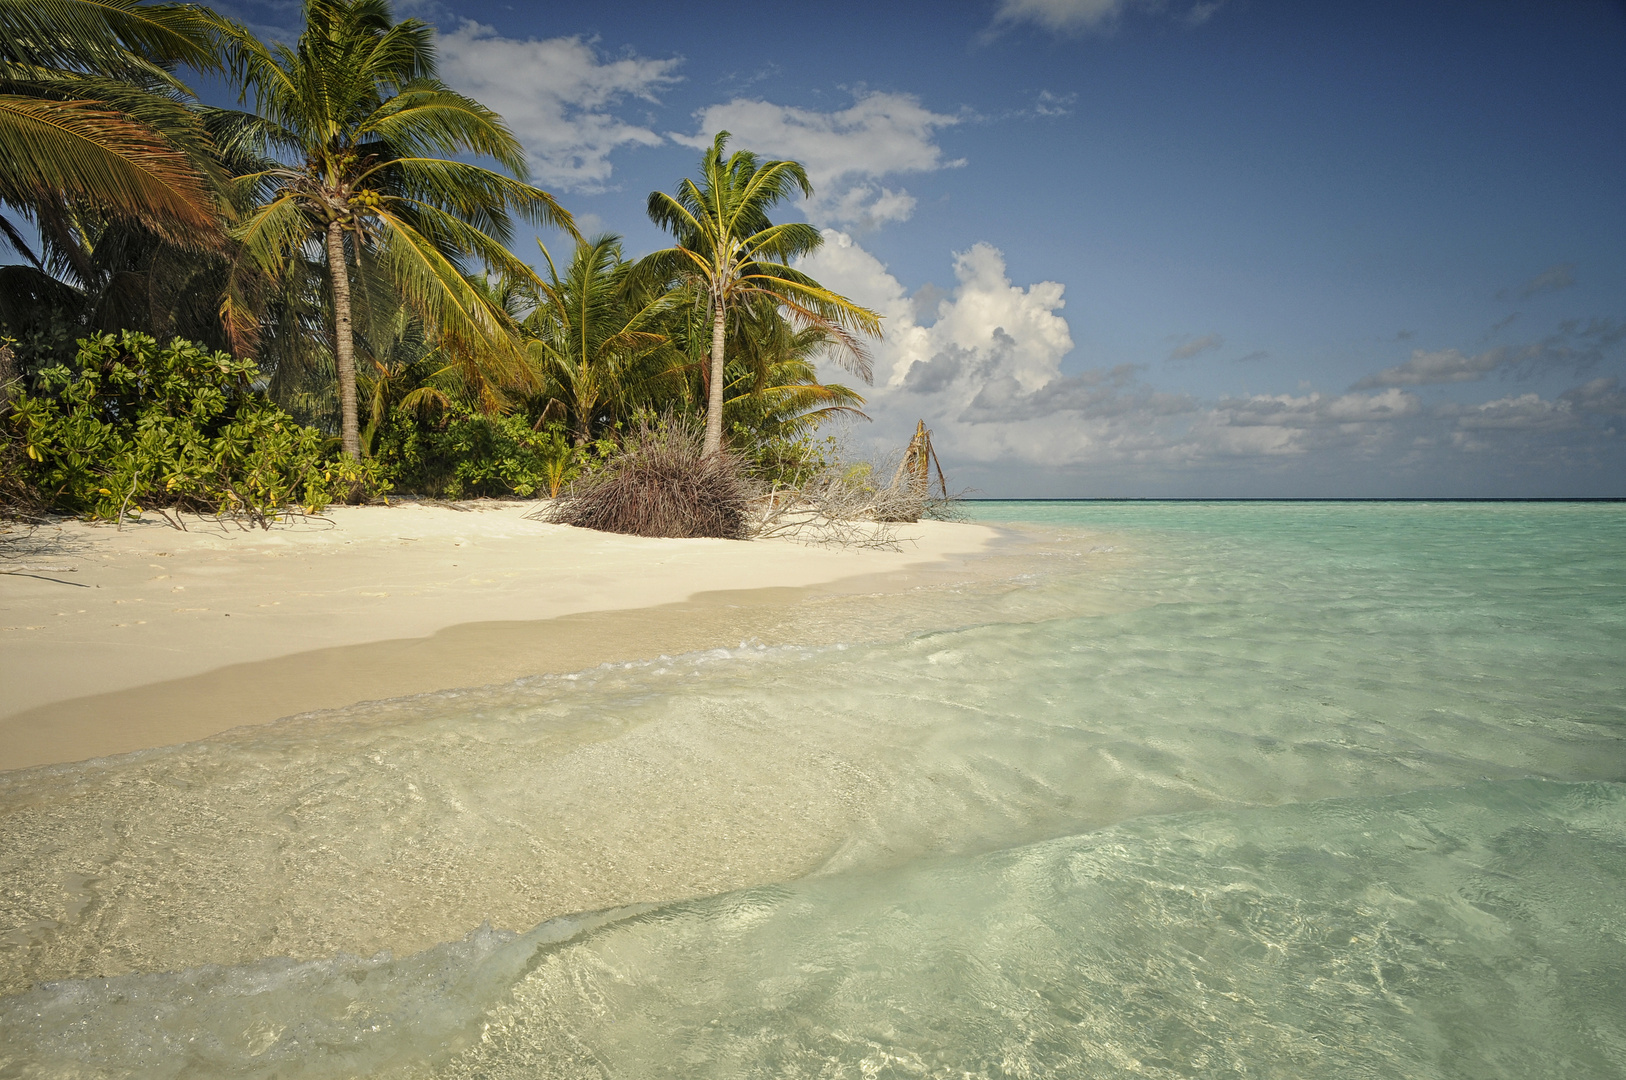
{"x":133,"y":427}
{"x":465,"y":453}
{"x":597,"y":341}
{"x":773,"y":400}
{"x":343,"y":239}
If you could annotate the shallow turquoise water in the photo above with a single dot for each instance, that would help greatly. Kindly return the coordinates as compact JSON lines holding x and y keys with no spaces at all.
{"x":1231,"y":789}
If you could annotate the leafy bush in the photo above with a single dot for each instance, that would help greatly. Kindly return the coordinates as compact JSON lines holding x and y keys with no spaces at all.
{"x":139,"y":425}
{"x":562,"y":462}
{"x":466,"y":454}
{"x":785,"y":460}
{"x":661,"y":484}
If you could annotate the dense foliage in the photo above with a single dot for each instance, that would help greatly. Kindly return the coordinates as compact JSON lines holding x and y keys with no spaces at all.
{"x":92,"y":115}
{"x":464,"y":453}
{"x":135,"y":426}
{"x":730,"y":254}
{"x":359,"y":135}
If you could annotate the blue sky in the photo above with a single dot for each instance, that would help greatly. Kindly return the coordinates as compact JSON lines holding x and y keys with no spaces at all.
{"x":1141,"y":248}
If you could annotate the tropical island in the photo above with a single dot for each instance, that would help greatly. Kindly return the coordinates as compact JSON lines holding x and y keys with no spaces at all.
{"x":233,"y":320}
{"x":311,"y":298}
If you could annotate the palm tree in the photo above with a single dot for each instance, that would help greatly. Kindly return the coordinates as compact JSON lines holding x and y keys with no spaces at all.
{"x":590,"y":330}
{"x":107,"y":153}
{"x":728,"y":249}
{"x":92,"y":115}
{"x":772,"y":388}
{"x":363,"y":126}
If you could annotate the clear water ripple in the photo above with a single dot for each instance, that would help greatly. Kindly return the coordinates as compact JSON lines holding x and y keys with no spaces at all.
{"x":1237,"y":789}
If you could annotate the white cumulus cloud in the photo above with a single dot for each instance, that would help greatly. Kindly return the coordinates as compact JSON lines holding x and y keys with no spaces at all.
{"x":990,"y":365}
{"x":559,"y":95}
{"x":847,"y":152}
{"x":984,"y":313}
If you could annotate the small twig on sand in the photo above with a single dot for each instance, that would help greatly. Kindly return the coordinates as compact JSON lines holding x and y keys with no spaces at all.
{"x":22,"y":571}
{"x":125,"y":505}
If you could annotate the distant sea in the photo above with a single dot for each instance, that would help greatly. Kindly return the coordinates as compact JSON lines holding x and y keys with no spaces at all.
{"x":1232,"y":789}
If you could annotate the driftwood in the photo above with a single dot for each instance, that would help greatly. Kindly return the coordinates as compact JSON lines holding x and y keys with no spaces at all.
{"x":914,"y":475}
{"x":835,"y":510}
{"x":845,"y":508}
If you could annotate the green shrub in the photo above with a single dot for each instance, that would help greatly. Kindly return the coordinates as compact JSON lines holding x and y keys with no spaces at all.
{"x":784,"y":460}
{"x":142,"y":426}
{"x":465,"y":453}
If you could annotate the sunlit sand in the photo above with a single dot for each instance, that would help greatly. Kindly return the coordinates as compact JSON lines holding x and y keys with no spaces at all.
{"x":117,"y":640}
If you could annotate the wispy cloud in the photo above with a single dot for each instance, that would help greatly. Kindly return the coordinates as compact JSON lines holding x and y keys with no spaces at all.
{"x":1426,"y":368}
{"x":1574,"y":346}
{"x":1200,"y":13}
{"x":1522,"y":412}
{"x":1069,"y":18}
{"x":1600,"y":397}
{"x":739,"y":80}
{"x":1549,"y":280}
{"x":1192,"y":346}
{"x":1051,"y":104}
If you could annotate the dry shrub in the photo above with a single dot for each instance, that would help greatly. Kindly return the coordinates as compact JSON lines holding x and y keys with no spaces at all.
{"x":660,"y":484}
{"x":844,"y":506}
{"x":840,"y":507}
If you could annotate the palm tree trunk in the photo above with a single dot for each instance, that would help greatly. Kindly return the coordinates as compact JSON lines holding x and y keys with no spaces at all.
{"x":714,"y":394}
{"x":344,"y":341}
{"x":8,"y":375}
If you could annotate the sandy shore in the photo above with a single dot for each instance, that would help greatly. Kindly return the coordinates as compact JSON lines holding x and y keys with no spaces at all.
{"x":113,"y":641}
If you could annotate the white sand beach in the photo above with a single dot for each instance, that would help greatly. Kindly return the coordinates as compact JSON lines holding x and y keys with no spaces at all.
{"x":118,"y":640}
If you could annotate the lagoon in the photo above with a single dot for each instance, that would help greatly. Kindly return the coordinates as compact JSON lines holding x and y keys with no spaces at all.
{"x":1167,"y":789}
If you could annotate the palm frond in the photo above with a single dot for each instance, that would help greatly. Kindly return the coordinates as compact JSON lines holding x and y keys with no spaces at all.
{"x":84,"y":150}
{"x":113,"y":36}
{"x":429,"y":117}
{"x":468,"y":326}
